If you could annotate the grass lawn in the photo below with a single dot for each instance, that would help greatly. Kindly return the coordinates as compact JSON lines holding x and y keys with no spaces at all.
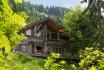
{"x":19,"y":61}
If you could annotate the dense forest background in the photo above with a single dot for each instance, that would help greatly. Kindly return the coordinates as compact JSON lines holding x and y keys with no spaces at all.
{"x":36,"y":12}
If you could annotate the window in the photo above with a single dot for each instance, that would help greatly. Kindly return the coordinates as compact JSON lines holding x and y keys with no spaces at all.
{"x":54,"y":35}
{"x":38,"y":33}
{"x":28,"y":32}
{"x":24,"y":48}
{"x":38,"y":48}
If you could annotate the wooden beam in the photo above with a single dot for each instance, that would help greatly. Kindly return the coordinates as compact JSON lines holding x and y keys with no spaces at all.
{"x":45,"y":47}
{"x":50,"y":35}
{"x":58,"y":36}
{"x":46,"y":31}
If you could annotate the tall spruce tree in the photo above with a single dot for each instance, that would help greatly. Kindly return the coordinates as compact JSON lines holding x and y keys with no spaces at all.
{"x":93,"y":19}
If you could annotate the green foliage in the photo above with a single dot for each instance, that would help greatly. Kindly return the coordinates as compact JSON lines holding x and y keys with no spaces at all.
{"x":53,"y":63}
{"x":71,"y":18}
{"x":11,"y":33}
{"x":71,"y":24}
{"x":70,"y":21}
{"x":91,"y":59}
{"x":91,"y":28}
{"x":19,"y":61}
{"x":18,"y":1}
{"x":92,"y":20}
{"x":101,"y":64}
{"x":10,"y":23}
{"x":4,"y":42}
{"x":36,"y":12}
{"x":87,"y":26}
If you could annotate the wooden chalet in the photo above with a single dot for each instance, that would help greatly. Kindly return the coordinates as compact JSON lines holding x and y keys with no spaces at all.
{"x":44,"y":36}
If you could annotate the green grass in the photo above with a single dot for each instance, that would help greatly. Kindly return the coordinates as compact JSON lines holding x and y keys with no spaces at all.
{"x":19,"y":61}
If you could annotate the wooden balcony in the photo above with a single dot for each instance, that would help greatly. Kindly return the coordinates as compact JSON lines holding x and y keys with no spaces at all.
{"x":45,"y":35}
{"x":43,"y":55}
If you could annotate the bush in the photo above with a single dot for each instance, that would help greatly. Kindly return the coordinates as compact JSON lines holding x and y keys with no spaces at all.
{"x":91,"y":59}
{"x":52,"y":63}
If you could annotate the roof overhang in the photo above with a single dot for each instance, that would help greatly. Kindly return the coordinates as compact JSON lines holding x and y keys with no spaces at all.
{"x":52,"y":23}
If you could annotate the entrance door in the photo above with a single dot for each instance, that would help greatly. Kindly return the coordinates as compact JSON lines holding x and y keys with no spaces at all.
{"x":39,"y":49}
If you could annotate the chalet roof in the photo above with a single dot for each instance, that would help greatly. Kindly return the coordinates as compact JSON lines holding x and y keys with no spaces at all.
{"x":53,"y":23}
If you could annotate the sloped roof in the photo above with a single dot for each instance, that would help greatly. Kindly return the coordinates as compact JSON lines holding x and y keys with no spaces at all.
{"x":53,"y":24}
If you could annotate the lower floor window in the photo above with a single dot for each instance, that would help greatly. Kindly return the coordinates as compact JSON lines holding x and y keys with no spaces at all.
{"x":23,"y":48}
{"x":39,"y":49}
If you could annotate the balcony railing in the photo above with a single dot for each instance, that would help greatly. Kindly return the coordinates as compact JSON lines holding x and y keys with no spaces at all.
{"x":46,"y":35}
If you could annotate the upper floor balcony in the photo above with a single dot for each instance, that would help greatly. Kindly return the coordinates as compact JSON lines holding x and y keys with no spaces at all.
{"x":42,"y":34}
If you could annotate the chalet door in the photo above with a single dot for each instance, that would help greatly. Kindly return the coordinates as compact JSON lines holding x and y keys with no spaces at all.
{"x":39,"y":49}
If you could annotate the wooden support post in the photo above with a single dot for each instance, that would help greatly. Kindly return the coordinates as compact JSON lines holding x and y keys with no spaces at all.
{"x":29,"y":48}
{"x":32,"y":31}
{"x":45,"y":47}
{"x":46,"y":31}
{"x":50,"y":35}
{"x":35,"y":48}
{"x":58,"y":36}
{"x":43,"y":34}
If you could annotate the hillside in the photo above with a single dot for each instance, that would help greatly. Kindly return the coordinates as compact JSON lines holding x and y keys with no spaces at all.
{"x":36,"y":12}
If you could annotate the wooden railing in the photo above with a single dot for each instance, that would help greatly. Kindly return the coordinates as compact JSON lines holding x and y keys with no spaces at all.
{"x":53,"y":35}
{"x":46,"y":55}
{"x":46,"y":35}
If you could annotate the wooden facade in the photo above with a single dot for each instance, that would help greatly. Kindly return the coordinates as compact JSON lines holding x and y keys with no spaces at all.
{"x":43,"y":37}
